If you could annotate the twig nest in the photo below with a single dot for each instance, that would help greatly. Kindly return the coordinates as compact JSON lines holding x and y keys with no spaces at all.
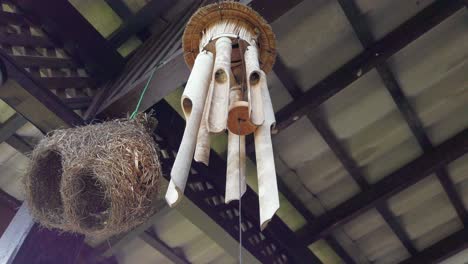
{"x":97,"y":180}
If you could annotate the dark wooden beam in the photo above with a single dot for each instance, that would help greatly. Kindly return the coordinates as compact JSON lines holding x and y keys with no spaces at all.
{"x":61,"y":83}
{"x":139,"y":21}
{"x":44,"y":62}
{"x":19,"y":144}
{"x":25,"y":40}
{"x":66,"y":25}
{"x":397,"y":181}
{"x":10,"y":127}
{"x":290,"y":84}
{"x":364,"y":34}
{"x":332,"y":242}
{"x":367,"y":60}
{"x":162,"y":248}
{"x":391,"y":221}
{"x":28,"y":97}
{"x":454,"y":197}
{"x":272,"y":10}
{"x":76,"y":103}
{"x":8,"y":18}
{"x":348,"y":163}
{"x":441,"y":250}
{"x":409,"y":114}
{"x":121,"y":8}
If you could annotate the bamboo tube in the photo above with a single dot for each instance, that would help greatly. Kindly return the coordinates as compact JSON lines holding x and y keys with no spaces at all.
{"x":222,"y":77}
{"x":236,"y":164}
{"x":203,"y":147}
{"x":255,"y":80}
{"x":192,"y":102}
{"x":266,"y":173}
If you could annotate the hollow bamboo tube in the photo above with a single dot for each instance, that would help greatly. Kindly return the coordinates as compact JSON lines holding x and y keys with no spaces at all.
{"x":203,"y":147}
{"x":219,"y":97}
{"x":255,"y":80}
{"x":236,"y":165}
{"x":266,"y":173}
{"x":192,"y":102}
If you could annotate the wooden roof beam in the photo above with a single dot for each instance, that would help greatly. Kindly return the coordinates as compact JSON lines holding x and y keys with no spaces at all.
{"x":79,"y":37}
{"x":397,"y":181}
{"x":379,"y":52}
{"x":28,"y":97}
{"x":441,"y":250}
{"x":151,"y":239}
{"x":137,"y":22}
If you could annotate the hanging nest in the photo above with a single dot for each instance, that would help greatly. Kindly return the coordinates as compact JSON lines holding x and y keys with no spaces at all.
{"x":97,"y":180}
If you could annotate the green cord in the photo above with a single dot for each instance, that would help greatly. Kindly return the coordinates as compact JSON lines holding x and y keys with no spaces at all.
{"x":135,"y":112}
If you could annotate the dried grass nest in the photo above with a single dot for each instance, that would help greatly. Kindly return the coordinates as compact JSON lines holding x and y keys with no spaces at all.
{"x":98,"y":180}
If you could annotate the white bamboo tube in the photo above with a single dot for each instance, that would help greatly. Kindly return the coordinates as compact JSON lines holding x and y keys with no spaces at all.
{"x":266,"y":172}
{"x":254,"y":83}
{"x":192,"y":101}
{"x":236,"y":164}
{"x":203,"y":147}
{"x":219,"y":97}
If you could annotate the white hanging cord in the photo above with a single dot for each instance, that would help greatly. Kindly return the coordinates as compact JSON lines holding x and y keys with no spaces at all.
{"x":240,"y":193}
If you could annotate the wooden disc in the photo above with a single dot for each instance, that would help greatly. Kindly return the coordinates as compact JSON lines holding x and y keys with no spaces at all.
{"x":239,"y":111}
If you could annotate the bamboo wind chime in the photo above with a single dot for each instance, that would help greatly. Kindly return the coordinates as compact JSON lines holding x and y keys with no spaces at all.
{"x":229,"y":48}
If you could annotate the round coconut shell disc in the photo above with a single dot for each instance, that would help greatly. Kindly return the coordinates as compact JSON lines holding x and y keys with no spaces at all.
{"x":238,"y":119}
{"x":212,"y":13}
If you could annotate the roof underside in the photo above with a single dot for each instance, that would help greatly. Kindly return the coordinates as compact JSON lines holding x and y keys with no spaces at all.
{"x":314,"y":39}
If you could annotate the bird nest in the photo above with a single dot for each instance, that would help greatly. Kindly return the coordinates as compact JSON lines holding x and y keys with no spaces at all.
{"x":97,"y":180}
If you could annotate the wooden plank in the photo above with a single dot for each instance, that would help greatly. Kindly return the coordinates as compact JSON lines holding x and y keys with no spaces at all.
{"x":397,"y":181}
{"x":61,"y":83}
{"x":163,"y":248}
{"x":10,"y":126}
{"x":454,"y":196}
{"x":9,"y":18}
{"x":77,"y":103}
{"x":33,"y":101}
{"x":121,"y":8}
{"x":401,"y":233}
{"x":44,"y":62}
{"x":14,"y":236}
{"x":80,"y":38}
{"x":19,"y":144}
{"x":25,"y":40}
{"x":139,"y":21}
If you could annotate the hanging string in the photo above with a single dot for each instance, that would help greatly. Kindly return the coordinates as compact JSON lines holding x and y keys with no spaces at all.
{"x":240,"y":193}
{"x":135,"y":112}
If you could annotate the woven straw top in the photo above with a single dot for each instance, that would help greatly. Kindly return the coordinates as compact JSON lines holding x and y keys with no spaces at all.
{"x":210,"y":14}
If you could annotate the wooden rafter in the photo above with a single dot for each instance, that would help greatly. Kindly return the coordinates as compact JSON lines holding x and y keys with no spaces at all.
{"x":397,"y":181}
{"x":137,"y":22}
{"x":379,"y":52}
{"x":409,"y":114}
{"x":162,"y":248}
{"x":79,"y":37}
{"x":441,"y":250}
